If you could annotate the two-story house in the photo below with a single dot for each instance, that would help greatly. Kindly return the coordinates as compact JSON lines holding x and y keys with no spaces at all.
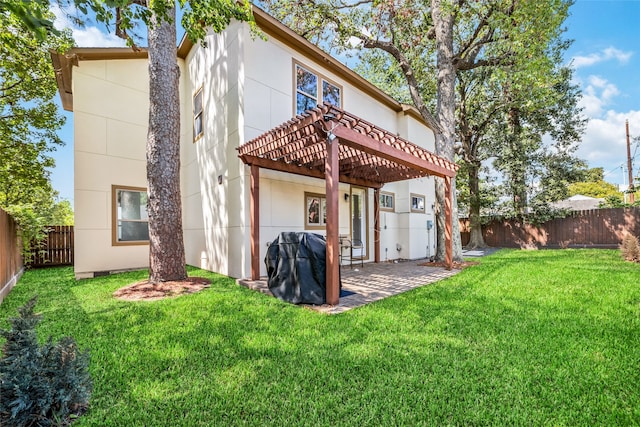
{"x":240,"y":97}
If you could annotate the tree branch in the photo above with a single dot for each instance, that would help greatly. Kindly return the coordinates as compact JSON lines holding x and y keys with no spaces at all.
{"x":407,"y":70}
{"x":481,"y":24}
{"x":464,"y":65}
{"x":8,"y":88}
{"x":356,"y":4}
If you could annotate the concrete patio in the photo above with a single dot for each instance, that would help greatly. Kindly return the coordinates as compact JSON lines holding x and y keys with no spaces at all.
{"x":372,"y":282}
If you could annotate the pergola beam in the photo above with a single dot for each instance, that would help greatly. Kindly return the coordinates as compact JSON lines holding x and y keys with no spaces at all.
{"x":377,"y":148}
{"x":301,"y":170}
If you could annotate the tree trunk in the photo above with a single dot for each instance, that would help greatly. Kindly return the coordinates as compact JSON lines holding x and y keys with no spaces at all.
{"x":518,"y":180}
{"x":445,"y":113}
{"x":166,"y":244}
{"x":476,"y":240}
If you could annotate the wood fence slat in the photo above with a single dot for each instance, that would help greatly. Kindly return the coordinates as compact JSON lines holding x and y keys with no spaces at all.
{"x":591,"y":228}
{"x":56,"y":249}
{"x":11,"y":265}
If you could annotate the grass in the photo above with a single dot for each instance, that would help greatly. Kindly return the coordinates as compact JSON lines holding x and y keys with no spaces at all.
{"x":524,"y":338}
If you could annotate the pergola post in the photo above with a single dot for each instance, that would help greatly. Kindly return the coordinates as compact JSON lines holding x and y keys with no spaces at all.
{"x":254,"y":212}
{"x":448,"y":222}
{"x":376,"y":225}
{"x":332,"y":254}
{"x":369,"y":157}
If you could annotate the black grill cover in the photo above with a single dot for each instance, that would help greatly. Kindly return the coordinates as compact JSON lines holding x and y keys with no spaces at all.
{"x":296,"y":268}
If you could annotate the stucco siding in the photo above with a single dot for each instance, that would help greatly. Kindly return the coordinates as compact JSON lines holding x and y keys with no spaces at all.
{"x":110,"y":125}
{"x":217,"y":70}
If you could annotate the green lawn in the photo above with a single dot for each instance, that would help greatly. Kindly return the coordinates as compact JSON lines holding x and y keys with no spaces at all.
{"x":524,"y":338}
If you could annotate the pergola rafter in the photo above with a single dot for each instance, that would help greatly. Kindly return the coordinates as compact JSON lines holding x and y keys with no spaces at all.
{"x":331,"y":144}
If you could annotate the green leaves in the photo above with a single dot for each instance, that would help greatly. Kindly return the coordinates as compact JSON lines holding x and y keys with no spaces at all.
{"x":29,"y":121}
{"x":44,"y":385}
{"x":204,"y":15}
{"x":32,"y":14}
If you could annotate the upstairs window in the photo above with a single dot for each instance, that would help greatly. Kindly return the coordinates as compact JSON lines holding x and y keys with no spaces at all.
{"x":313,"y":89}
{"x":130,"y":221}
{"x":198,"y":123}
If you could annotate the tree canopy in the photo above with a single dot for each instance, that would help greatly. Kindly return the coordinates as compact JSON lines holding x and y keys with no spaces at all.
{"x":29,"y":118}
{"x":486,"y":76}
{"x":592,"y":184}
{"x":32,"y":14}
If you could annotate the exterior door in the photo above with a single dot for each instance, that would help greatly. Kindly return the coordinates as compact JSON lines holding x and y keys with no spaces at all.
{"x":359,"y":221}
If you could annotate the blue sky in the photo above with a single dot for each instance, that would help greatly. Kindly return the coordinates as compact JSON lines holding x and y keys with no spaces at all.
{"x":606,"y":58}
{"x":605,"y":55}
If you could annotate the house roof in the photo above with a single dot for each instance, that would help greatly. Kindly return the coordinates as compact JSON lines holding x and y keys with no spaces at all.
{"x":369,"y":156}
{"x":63,"y":63}
{"x":578,"y":202}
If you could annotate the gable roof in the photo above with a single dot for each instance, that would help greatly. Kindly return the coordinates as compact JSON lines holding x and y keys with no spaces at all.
{"x":63,"y":63}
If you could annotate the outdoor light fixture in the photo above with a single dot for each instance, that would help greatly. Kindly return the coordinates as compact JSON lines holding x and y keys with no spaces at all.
{"x":219,"y":179}
{"x":346,"y":197}
{"x":331,"y":137}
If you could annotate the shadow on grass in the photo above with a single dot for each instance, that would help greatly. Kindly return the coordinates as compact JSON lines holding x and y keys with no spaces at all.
{"x":504,"y":342}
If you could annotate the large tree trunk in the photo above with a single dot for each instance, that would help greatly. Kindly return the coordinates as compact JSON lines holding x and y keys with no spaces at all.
{"x":445,"y":113}
{"x":166,"y":245}
{"x":476,"y":240}
{"x":517,"y":178}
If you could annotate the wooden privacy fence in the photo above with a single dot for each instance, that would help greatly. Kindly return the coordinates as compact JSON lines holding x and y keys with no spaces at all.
{"x":11,"y":267}
{"x":603,"y":228}
{"x":56,"y":249}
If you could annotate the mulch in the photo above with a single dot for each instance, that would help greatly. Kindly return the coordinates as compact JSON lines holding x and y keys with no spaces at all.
{"x":145,"y":291}
{"x":456,"y":265}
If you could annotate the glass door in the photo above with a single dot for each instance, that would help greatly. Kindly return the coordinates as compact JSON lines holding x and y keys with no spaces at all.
{"x":359,"y":221}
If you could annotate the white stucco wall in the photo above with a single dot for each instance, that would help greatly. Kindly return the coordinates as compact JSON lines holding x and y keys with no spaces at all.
{"x":214,"y":224}
{"x":110,"y":127}
{"x":248,"y":89}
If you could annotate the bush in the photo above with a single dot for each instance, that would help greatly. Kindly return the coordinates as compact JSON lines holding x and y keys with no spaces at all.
{"x":40,"y":385}
{"x":630,"y":248}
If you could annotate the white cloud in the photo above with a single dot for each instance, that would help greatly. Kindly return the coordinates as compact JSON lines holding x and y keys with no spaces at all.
{"x":604,"y":143}
{"x":597,"y":93}
{"x":610,"y":53}
{"x":89,"y":36}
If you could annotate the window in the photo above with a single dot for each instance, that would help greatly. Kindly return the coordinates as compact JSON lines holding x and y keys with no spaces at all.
{"x":417,"y":203}
{"x":315,"y":206}
{"x":387,"y":201}
{"x":313,"y":89}
{"x":130,"y":221}
{"x":198,"y":124}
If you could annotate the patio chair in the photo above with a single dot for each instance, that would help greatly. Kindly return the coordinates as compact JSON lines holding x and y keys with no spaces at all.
{"x":350,"y":245}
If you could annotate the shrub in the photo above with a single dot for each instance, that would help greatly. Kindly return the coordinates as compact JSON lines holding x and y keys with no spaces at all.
{"x":630,"y":248}
{"x":40,"y":385}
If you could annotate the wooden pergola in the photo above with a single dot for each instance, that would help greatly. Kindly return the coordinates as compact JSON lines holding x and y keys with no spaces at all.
{"x":332,"y":144}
